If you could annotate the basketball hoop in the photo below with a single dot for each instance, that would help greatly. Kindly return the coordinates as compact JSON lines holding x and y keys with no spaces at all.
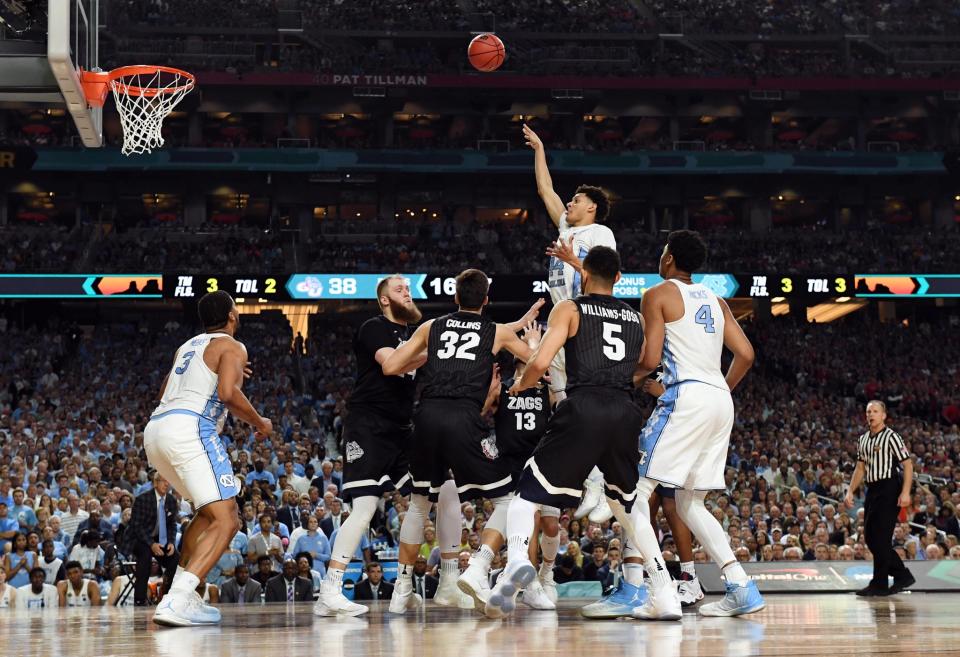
{"x":145,"y":95}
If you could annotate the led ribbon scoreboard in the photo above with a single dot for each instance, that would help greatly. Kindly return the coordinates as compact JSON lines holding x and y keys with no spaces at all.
{"x":432,"y":287}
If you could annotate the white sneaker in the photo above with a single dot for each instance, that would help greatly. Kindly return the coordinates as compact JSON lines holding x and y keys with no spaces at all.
{"x":503,"y":599}
{"x":689,"y":590}
{"x":592,"y":494}
{"x":601,"y":512}
{"x":536,"y":598}
{"x":475,"y":583}
{"x":466,"y":601}
{"x":662,"y":604}
{"x":549,"y":586}
{"x":403,"y":598}
{"x":332,"y":602}
{"x":177,"y":610}
{"x":447,"y":595}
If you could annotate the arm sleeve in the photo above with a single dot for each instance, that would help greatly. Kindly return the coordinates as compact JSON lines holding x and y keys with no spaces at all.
{"x":374,"y":336}
{"x":899,"y":449}
{"x":562,"y":225}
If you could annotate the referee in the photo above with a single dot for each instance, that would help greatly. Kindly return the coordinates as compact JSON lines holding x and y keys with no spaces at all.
{"x":880,"y":453}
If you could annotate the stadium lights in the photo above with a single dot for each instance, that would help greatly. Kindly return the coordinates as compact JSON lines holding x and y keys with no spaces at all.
{"x":843,"y":299}
{"x":778,"y":299}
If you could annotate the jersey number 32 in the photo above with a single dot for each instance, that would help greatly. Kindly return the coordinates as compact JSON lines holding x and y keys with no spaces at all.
{"x":458,"y":345}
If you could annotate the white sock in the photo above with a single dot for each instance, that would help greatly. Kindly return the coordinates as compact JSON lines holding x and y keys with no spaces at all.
{"x":334,"y":575}
{"x":449,"y":522}
{"x":688,"y":567}
{"x":180,"y":571}
{"x":735,"y":573}
{"x":657,"y":571}
{"x":187,"y":583}
{"x":405,"y":575}
{"x":633,"y":573}
{"x":520,"y":518}
{"x":640,"y":532}
{"x":352,"y":529}
{"x":549,"y":545}
{"x":449,"y":568}
{"x":482,"y":558}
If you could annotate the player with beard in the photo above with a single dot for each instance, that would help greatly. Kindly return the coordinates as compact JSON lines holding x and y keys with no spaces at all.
{"x":376,"y":433}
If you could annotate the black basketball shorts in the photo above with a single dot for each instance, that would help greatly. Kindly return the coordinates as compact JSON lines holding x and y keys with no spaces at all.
{"x":449,"y":436}
{"x":376,"y":457}
{"x":591,"y":427}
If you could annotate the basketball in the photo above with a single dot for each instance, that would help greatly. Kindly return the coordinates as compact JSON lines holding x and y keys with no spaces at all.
{"x":486,"y":52}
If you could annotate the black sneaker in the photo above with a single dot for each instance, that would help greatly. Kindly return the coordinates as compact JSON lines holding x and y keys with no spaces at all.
{"x":902,"y":584}
{"x":873,"y":592}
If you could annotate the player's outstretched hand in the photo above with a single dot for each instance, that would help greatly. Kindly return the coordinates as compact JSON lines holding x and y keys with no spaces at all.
{"x":563,"y":251}
{"x":532,"y":334}
{"x":264,"y":429}
{"x":247,"y":372}
{"x":533,"y":141}
{"x":532,"y":314}
{"x":515,"y":389}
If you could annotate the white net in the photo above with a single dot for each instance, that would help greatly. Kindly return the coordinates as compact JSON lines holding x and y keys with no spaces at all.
{"x":143,"y":101}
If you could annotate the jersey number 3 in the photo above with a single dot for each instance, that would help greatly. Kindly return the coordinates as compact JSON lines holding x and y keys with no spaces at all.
{"x":458,"y":344}
{"x":186,"y":362}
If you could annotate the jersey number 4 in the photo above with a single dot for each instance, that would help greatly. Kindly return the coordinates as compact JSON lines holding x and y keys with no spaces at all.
{"x":458,"y":345}
{"x":704,"y":317}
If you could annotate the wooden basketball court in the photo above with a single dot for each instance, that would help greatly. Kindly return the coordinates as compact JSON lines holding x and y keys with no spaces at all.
{"x":909,"y":624}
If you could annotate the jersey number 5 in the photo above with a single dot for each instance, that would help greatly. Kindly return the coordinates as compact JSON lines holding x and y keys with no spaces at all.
{"x":459,"y":345}
{"x":613,"y":347}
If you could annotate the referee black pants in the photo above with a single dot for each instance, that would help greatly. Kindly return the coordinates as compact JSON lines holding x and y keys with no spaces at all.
{"x":880,"y":517}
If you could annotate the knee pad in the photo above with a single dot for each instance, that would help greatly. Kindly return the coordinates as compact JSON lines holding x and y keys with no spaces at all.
{"x":411,"y":531}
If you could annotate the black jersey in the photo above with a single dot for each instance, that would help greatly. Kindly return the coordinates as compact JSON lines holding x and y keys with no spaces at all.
{"x":521,"y":420}
{"x":389,"y":396}
{"x":606,"y":348}
{"x":459,"y":358}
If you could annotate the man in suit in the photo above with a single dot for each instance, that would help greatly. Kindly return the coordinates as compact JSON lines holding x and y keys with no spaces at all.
{"x":334,"y":518}
{"x":240,"y":588}
{"x":373,"y":588}
{"x":424,"y":585}
{"x":326,"y":477}
{"x":289,"y":514}
{"x":151,"y":535}
{"x":289,"y":587}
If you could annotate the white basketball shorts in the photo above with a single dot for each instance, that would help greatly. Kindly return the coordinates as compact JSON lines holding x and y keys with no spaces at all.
{"x":184,"y":447}
{"x":684,"y":443}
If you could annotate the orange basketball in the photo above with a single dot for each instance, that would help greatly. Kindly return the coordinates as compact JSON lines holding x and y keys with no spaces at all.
{"x":486,"y":52}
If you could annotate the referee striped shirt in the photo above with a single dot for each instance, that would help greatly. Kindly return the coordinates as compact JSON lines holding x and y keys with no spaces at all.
{"x":882,"y":453}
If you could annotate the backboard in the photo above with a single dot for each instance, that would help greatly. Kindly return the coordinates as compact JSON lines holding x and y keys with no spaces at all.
{"x":40,"y":66}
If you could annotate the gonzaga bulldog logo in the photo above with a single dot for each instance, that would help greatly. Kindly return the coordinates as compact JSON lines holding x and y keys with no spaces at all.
{"x":489,"y":447}
{"x":311,"y":286}
{"x":354,"y":452}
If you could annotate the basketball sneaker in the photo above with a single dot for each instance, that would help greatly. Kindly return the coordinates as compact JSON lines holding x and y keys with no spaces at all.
{"x":548,"y":584}
{"x":689,"y":589}
{"x":620,"y":602}
{"x":179,"y":610}
{"x":447,"y":595}
{"x":592,"y":495}
{"x":662,"y":603}
{"x":403,"y":598}
{"x":739,"y":599}
{"x":535,"y":597}
{"x":503,"y":599}
{"x":332,"y":602}
{"x":601,"y":513}
{"x":475,"y":583}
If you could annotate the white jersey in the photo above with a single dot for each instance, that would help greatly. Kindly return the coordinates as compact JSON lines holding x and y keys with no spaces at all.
{"x":563,"y":279}
{"x":51,"y":569}
{"x":46,"y":599}
{"x":191,"y":385}
{"x":5,"y":596}
{"x":81,"y":599}
{"x":693,"y":344}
